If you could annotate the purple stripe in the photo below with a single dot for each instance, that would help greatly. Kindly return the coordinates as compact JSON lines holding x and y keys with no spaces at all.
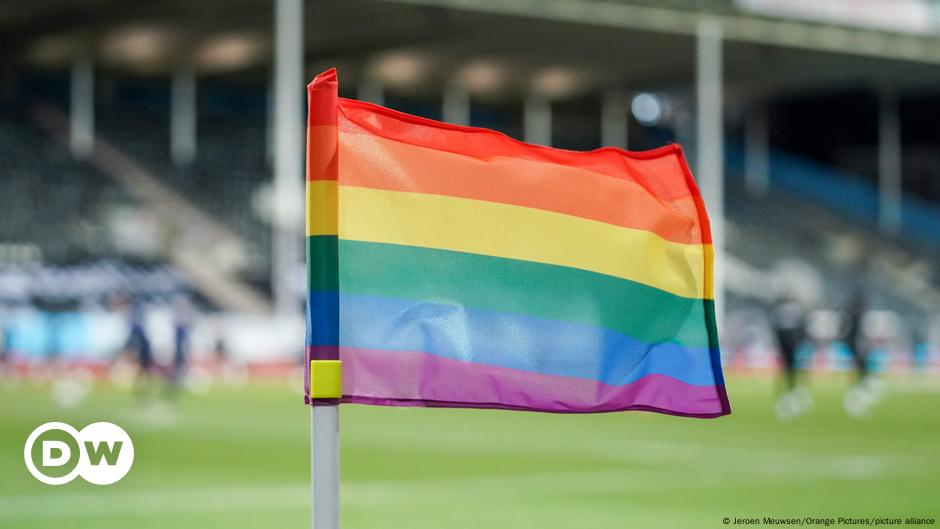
{"x":400,"y":378}
{"x":322,"y":352}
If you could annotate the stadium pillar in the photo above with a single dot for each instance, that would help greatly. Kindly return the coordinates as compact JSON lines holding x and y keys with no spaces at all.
{"x":183,"y":113}
{"x":614,"y":120}
{"x":82,"y":105}
{"x":371,"y":89}
{"x":756,"y":151}
{"x":537,"y":120}
{"x":710,"y":138}
{"x":890,"y":191}
{"x":455,"y":104}
{"x":288,"y":156}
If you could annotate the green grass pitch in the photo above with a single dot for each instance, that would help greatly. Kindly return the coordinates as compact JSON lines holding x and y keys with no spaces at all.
{"x":239,"y":458}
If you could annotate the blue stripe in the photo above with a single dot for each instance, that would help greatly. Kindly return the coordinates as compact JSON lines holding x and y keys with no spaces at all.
{"x":323,"y":308}
{"x":512,"y":341}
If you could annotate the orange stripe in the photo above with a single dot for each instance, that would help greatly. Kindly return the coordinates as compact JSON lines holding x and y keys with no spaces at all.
{"x":379,"y":163}
{"x":322,"y":163}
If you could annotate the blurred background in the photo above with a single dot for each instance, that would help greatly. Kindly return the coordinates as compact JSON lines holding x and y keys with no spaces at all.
{"x":151,"y":253}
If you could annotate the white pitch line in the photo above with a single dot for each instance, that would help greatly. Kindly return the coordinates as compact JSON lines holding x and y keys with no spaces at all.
{"x":369,"y":493}
{"x":713,"y":458}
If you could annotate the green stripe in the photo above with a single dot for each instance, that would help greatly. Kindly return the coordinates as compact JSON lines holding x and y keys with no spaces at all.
{"x":522,"y":287}
{"x":322,"y":270}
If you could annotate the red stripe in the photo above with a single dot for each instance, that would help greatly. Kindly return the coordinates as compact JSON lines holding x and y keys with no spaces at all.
{"x":659,"y":170}
{"x":321,"y":99}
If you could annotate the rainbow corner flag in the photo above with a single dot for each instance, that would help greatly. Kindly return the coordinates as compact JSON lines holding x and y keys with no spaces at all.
{"x":454,"y":266}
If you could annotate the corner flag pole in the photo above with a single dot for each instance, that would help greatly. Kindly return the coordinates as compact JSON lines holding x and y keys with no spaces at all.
{"x":324,"y":465}
{"x":326,"y":388}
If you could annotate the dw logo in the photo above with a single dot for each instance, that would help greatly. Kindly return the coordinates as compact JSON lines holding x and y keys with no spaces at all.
{"x":101,"y":453}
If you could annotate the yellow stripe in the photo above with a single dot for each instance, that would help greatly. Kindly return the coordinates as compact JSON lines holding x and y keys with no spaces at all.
{"x":709,"y":271}
{"x":516,"y":232}
{"x":321,"y":207}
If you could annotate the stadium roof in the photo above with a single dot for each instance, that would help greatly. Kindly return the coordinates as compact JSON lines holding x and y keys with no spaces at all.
{"x":495,"y":47}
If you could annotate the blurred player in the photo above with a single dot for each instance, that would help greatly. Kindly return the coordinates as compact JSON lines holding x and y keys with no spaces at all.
{"x":183,"y":315}
{"x":863,"y":394}
{"x":788,"y":319}
{"x":854,"y":339}
{"x":138,"y":345}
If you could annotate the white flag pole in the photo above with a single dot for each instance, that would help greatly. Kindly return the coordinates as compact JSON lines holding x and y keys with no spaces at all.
{"x":324,"y":465}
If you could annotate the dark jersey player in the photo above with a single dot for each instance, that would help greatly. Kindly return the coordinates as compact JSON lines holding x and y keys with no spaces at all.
{"x":788,"y":319}
{"x":138,"y":345}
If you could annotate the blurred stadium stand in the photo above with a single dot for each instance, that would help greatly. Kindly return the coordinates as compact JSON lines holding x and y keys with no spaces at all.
{"x":61,"y":205}
{"x":810,"y":96}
